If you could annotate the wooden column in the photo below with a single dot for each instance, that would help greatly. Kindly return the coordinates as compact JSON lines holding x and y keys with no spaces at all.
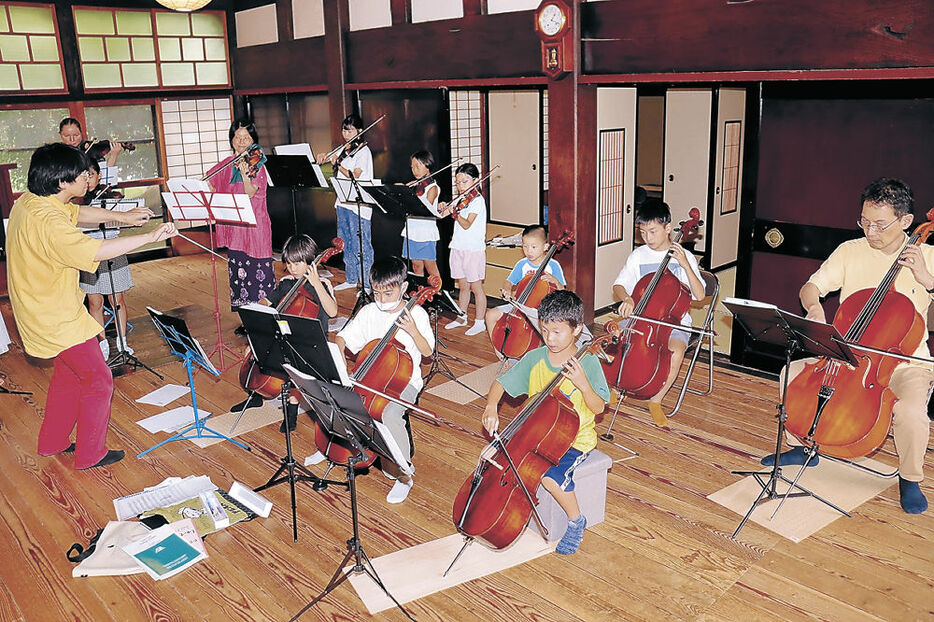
{"x":336,"y":25}
{"x":572,"y":198}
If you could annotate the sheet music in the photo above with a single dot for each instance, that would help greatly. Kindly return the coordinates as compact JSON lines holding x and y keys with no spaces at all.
{"x":206,"y":205}
{"x":162,"y":495}
{"x":347,"y":192}
{"x":185,"y":184}
{"x":115,"y":205}
{"x":305,"y":150}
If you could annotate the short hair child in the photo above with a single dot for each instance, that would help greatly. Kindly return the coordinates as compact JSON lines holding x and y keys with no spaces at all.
{"x":534,"y":247}
{"x":299,"y":248}
{"x":425,"y":158}
{"x":388,"y":272}
{"x":352,"y":121}
{"x":653,"y":210}
{"x":562,"y":306}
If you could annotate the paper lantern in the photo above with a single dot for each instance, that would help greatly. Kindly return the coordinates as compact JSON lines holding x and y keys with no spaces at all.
{"x":186,"y":6}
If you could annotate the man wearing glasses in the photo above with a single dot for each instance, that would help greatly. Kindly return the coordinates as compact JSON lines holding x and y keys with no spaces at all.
{"x":45,"y":251}
{"x":862,"y":264}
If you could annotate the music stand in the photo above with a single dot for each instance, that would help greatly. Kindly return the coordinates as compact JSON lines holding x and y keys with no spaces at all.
{"x":192,"y":200}
{"x":288,"y":169}
{"x":176,"y":334}
{"x":400,"y":201}
{"x":769,"y":324}
{"x":276,"y":340}
{"x":341,"y":413}
{"x":435,"y":307}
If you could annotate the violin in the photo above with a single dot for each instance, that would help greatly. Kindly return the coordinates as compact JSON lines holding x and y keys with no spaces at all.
{"x":513,"y":334}
{"x":846,"y":411}
{"x":296,"y":302}
{"x":103,"y":147}
{"x":384,"y":366}
{"x":643,"y":362}
{"x":495,"y":501}
{"x":422,"y":186}
{"x":252,"y":155}
{"x":461,"y":201}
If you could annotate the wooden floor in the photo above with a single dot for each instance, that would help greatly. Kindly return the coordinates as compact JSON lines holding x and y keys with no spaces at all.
{"x":663,"y":553}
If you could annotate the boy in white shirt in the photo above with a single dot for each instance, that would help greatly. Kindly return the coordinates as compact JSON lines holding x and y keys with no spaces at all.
{"x":468,"y":246}
{"x":654,"y":222}
{"x":372,"y":322}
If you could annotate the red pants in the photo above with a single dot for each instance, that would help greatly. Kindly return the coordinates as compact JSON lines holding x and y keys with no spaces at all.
{"x":79,"y":393}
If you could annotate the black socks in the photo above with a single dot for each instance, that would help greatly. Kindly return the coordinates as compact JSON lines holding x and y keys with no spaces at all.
{"x":254,"y":401}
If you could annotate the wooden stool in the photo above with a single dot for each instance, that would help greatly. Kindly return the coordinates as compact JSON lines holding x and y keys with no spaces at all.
{"x":590,"y":487}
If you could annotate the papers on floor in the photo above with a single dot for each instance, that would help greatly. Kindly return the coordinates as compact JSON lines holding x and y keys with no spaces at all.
{"x":164,"y":395}
{"x":168,"y":550}
{"x":171,"y":491}
{"x":172,"y":420}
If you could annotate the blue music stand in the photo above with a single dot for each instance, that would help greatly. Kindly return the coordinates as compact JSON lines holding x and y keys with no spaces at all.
{"x":176,"y":334}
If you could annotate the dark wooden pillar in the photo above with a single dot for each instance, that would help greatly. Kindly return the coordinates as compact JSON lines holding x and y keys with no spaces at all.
{"x":572,"y":193}
{"x":336,"y":25}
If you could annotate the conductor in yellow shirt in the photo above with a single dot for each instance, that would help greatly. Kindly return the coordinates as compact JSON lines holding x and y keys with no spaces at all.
{"x":45,"y":252}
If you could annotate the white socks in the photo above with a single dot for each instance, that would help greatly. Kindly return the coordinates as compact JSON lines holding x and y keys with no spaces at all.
{"x":399,"y":491}
{"x":478,"y":327}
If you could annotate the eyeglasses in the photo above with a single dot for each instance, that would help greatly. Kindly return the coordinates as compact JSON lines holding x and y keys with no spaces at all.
{"x":86,"y":174}
{"x":871,"y":226}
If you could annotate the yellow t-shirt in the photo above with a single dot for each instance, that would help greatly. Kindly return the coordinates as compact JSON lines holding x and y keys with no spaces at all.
{"x":534,"y":372}
{"x":45,"y":252}
{"x":855,"y":265}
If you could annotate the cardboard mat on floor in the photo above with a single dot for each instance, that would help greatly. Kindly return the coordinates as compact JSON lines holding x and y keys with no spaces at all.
{"x":800,"y":517}
{"x":417,"y":571}
{"x":479,"y":380}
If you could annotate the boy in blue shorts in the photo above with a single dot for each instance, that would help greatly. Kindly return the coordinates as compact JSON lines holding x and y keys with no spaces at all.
{"x":561,"y":318}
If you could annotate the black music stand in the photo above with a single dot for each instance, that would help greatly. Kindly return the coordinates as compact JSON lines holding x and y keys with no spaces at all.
{"x":769,"y":324}
{"x":400,"y":201}
{"x":276,"y":340}
{"x":176,"y":334}
{"x":293,"y":172}
{"x":434,"y":307}
{"x":341,"y":413}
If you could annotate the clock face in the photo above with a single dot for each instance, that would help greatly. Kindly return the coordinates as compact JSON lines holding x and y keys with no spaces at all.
{"x":551,"y":19}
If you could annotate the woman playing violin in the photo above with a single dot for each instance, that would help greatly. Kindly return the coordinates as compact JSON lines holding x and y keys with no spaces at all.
{"x":860,"y":264}
{"x":354,"y":160}
{"x":70,"y":131}
{"x":249,"y":247}
{"x":420,"y":235}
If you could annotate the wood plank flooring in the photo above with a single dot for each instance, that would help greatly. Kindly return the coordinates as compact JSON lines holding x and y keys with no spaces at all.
{"x":663,"y":553}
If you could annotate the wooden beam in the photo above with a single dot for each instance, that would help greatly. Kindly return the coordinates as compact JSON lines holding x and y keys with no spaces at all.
{"x":401,"y":11}
{"x":336,"y":25}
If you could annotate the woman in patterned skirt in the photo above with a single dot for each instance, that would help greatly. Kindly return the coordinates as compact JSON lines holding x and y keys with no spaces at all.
{"x":249,"y":247}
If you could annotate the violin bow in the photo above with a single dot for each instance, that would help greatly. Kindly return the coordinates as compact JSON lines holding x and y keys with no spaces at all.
{"x":336,"y":150}
{"x":415,"y":182}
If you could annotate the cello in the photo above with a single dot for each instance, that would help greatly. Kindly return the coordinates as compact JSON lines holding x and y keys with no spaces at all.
{"x":494,"y":504}
{"x":640,"y":365}
{"x":295,"y":302}
{"x":513,"y":334}
{"x":846,"y":411}
{"x":384,"y":366}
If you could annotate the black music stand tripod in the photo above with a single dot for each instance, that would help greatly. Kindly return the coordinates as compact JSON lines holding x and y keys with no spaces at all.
{"x":122,"y":357}
{"x":341,"y":413}
{"x":769,"y":324}
{"x":276,"y":340}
